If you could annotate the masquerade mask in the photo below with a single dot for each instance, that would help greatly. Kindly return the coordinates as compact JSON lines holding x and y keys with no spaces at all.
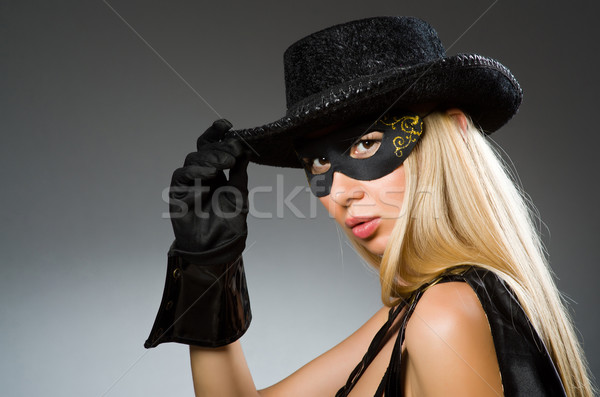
{"x":363,"y":150}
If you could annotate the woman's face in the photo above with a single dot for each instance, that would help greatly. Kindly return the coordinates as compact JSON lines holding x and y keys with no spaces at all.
{"x":367,"y":208}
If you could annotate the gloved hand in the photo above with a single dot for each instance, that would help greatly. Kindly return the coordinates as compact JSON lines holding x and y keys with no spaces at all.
{"x":205,"y":300}
{"x":208,"y":212}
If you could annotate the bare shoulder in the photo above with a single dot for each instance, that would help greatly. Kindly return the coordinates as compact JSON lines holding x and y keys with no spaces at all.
{"x":448,"y":307}
{"x":449,"y":330}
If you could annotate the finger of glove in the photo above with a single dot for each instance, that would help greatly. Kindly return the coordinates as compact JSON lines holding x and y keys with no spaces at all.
{"x":236,"y":146}
{"x":186,"y":176}
{"x":214,"y":133}
{"x":210,"y":158}
{"x":231,"y":145}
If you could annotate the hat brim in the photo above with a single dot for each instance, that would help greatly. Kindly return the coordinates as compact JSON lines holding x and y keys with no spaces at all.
{"x":482,"y":87}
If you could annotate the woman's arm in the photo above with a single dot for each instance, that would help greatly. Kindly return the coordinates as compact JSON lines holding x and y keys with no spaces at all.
{"x":224,"y":372}
{"x":324,"y":375}
{"x":221,"y":371}
{"x":449,"y":345}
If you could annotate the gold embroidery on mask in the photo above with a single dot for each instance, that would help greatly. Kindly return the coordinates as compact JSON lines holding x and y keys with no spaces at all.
{"x":411,"y":127}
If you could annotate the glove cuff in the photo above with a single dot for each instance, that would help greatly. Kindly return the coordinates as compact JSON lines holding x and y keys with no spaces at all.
{"x":203,"y":304}
{"x":225,"y":253}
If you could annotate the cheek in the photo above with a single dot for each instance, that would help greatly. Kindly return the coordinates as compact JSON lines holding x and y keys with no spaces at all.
{"x":390,"y":189}
{"x":387,"y":193}
{"x":392,"y":198}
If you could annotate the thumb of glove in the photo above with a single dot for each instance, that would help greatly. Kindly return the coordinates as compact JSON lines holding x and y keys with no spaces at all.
{"x":214,"y":133}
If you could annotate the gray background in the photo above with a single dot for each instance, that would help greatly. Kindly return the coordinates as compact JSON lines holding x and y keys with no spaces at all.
{"x":93,"y":123}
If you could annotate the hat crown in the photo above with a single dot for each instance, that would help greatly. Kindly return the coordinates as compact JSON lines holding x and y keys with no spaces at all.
{"x":356,"y":49}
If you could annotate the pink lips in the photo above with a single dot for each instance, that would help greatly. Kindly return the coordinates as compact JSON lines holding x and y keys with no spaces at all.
{"x":363,"y":227}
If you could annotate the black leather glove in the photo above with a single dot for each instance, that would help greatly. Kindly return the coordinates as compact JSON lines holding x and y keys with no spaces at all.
{"x":208,"y":212}
{"x":205,"y":300}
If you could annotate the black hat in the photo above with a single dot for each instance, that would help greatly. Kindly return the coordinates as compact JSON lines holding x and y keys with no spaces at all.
{"x":364,"y":67}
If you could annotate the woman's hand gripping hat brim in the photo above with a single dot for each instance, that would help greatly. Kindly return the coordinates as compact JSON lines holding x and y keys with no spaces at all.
{"x":209,"y":210}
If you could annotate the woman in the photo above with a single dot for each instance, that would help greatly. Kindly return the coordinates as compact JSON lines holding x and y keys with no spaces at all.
{"x":391,"y":134}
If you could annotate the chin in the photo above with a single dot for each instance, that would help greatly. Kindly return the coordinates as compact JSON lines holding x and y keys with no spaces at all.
{"x":376,"y":246}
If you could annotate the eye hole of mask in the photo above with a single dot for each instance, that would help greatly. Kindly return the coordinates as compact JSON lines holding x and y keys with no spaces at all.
{"x":317,"y":165}
{"x":366,"y":146}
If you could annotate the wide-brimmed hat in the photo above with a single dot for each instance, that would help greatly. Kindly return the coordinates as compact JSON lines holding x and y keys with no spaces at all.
{"x":367,"y":66}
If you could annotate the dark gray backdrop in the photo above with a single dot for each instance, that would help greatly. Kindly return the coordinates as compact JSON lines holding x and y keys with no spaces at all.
{"x":93,"y":123}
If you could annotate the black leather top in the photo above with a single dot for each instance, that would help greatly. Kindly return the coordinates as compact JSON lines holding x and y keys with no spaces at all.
{"x":525,"y":365}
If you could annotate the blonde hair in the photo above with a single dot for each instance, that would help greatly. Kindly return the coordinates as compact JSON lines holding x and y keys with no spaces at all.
{"x":461,"y":206}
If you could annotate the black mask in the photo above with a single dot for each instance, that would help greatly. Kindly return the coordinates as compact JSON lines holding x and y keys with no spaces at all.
{"x":333,"y":151}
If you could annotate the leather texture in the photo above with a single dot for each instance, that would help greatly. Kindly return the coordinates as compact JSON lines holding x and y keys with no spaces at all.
{"x":207,"y":209}
{"x":204,"y":306}
{"x":205,"y":299}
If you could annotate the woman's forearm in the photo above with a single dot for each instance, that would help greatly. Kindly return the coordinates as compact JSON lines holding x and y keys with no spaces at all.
{"x":221,"y":372}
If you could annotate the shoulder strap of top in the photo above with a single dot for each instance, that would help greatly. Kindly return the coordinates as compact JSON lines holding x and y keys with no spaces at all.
{"x":391,"y":380}
{"x":525,"y":365}
{"x":374,"y":348}
{"x":377,"y":342}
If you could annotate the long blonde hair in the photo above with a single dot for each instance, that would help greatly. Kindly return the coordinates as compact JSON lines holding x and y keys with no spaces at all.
{"x":461,"y":206}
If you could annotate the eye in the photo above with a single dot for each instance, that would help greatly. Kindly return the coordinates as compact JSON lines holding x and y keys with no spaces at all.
{"x":366,"y":146}
{"x":317,"y":165}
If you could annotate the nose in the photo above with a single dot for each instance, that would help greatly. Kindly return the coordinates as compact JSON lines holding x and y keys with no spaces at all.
{"x":345,"y":189}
